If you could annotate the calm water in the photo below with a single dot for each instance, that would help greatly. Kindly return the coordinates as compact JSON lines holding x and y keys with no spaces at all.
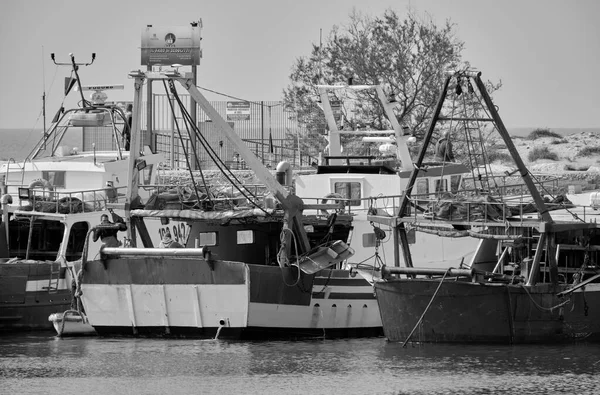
{"x":43,"y":364}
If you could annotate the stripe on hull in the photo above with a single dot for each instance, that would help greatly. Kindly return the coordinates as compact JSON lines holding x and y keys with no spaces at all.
{"x":338,"y":314}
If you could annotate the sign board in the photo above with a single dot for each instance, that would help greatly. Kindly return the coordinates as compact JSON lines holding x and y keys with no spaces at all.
{"x":238,"y":111}
{"x":171,"y":45}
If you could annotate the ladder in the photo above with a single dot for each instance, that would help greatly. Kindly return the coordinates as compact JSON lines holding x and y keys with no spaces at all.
{"x":472,"y":115}
{"x":54,"y":279}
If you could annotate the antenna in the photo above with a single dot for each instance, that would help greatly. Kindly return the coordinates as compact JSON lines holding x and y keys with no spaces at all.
{"x":75,"y":68}
{"x":44,"y":96}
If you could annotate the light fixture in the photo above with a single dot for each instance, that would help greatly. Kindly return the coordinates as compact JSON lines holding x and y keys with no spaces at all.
{"x":140,"y":164}
{"x":24,"y":193}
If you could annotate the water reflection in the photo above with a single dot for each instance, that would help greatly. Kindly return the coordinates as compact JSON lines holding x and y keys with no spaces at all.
{"x":355,"y":366}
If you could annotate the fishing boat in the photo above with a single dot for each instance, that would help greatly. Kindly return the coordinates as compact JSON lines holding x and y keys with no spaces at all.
{"x":50,"y":202}
{"x":263,"y":271}
{"x":374,"y":184}
{"x":42,"y":239}
{"x":83,"y":150}
{"x":534,"y":277}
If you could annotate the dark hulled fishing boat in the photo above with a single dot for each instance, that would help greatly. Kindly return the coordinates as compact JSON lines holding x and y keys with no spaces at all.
{"x":535,"y":275}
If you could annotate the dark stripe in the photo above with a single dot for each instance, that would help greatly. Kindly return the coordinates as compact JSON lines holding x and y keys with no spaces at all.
{"x":249,"y":333}
{"x":344,"y":295}
{"x":33,"y":272}
{"x":348,"y":282}
{"x":163,"y":271}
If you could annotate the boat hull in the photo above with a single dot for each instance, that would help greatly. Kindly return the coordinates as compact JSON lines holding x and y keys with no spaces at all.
{"x":196,"y":298}
{"x":467,"y":312}
{"x":30,"y":292}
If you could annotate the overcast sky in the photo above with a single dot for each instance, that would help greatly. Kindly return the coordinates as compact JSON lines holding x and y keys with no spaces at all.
{"x":546,"y":52}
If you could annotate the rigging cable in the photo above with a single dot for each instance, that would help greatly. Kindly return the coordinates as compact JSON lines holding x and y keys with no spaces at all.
{"x":183,"y":147}
{"x":214,"y":157}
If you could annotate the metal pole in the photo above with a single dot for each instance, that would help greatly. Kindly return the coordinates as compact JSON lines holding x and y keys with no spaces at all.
{"x":262,"y":133}
{"x":193,"y":115}
{"x":172,"y":150}
{"x":150,"y":140}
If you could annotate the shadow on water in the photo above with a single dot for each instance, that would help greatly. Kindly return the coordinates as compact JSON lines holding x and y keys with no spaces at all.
{"x":355,"y":366}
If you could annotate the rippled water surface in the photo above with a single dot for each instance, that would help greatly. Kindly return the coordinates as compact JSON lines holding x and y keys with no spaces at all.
{"x":41,"y":363}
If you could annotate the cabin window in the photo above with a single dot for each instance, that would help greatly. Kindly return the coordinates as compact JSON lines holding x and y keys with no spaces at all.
{"x":349,"y":190}
{"x":245,"y":237}
{"x":455,"y":183}
{"x":55,"y":178}
{"x":46,"y":238}
{"x":76,"y":241}
{"x":441,"y":185}
{"x":422,"y":187}
{"x":207,"y":238}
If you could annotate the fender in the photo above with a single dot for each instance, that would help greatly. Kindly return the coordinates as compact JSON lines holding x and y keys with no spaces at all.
{"x":40,"y":182}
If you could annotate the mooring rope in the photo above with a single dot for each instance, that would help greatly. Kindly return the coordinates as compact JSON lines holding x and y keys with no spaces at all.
{"x":426,"y":308}
{"x":542,"y":308}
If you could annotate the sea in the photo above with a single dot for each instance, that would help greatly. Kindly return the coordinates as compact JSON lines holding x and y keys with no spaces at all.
{"x":44,"y":364}
{"x":41,"y":363}
{"x":17,"y":143}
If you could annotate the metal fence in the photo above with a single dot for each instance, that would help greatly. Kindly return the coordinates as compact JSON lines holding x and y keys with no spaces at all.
{"x":269,"y":131}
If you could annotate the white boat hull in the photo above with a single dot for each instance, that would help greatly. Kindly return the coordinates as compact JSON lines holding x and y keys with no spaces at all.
{"x":235,"y":299}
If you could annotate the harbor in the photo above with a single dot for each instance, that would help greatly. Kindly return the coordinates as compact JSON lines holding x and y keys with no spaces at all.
{"x":380,"y":224}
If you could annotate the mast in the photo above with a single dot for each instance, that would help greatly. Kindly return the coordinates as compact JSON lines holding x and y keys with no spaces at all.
{"x":135,"y":164}
{"x":44,"y":96}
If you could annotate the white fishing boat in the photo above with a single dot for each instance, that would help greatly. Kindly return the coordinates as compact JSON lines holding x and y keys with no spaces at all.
{"x":374,"y":184}
{"x":84,"y":149}
{"x":256,"y":272}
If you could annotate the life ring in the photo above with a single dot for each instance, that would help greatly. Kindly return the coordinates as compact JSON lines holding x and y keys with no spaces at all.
{"x":40,"y":182}
{"x":331,"y":196}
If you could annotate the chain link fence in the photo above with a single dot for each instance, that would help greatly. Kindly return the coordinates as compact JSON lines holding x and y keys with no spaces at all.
{"x":269,"y":131}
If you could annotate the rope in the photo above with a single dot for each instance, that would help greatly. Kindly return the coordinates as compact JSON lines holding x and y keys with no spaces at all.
{"x":426,"y":308}
{"x":542,"y":308}
{"x":64,"y":319}
{"x":282,"y":251}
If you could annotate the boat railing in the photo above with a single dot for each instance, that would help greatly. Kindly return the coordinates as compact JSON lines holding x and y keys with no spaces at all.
{"x":70,"y":202}
{"x":506,"y":185}
{"x":103,"y":126}
{"x":214,"y":196}
{"x":470,"y":207}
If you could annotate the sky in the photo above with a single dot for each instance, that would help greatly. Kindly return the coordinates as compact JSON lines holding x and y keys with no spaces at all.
{"x":545,"y":52}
